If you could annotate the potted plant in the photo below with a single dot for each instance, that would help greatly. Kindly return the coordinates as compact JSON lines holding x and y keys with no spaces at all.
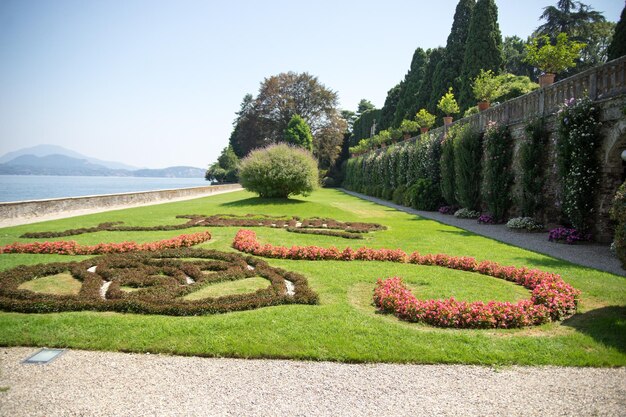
{"x":448,"y":106}
{"x":396,"y":134}
{"x":486,"y":86}
{"x":384,"y":137}
{"x":425,"y":120}
{"x":407,"y":127}
{"x":552,"y":59}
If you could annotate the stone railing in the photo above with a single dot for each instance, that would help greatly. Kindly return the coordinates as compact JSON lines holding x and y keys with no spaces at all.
{"x":599,"y":83}
{"x":21,"y":212}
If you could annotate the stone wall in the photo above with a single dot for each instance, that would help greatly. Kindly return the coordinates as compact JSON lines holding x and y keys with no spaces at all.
{"x":37,"y":210}
{"x":606,"y":85}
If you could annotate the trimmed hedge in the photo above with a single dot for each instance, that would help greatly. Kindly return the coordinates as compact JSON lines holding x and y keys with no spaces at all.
{"x":161,"y":280}
{"x":389,"y":173}
{"x":314,"y":225}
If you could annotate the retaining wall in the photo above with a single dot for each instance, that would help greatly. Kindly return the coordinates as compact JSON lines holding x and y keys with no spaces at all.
{"x":21,"y":212}
{"x":606,"y":86}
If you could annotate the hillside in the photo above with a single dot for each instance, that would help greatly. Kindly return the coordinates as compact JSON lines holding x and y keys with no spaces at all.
{"x":20,"y":163}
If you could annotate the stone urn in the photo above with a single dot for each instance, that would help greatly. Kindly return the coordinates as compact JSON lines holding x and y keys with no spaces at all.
{"x":447,"y":120}
{"x":483,"y":105}
{"x":423,"y":130}
{"x":546,"y":79}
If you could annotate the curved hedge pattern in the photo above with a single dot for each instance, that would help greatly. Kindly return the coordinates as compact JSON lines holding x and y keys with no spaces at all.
{"x":552,"y":298}
{"x":314,"y":225}
{"x":160,"y":278}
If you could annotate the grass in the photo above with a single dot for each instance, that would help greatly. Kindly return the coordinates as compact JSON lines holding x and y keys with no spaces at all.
{"x":242,"y":286}
{"x":59,"y":284}
{"x":344,"y":326}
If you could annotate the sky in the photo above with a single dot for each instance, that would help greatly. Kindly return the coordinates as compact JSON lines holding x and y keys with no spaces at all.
{"x":156,"y":83}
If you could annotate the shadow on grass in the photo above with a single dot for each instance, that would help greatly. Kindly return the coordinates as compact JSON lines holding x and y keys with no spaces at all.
{"x":459,"y":232}
{"x":547,"y":263}
{"x":606,"y":325}
{"x":258,"y":201}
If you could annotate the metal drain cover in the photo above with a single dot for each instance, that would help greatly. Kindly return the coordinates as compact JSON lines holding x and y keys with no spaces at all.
{"x":45,"y":355}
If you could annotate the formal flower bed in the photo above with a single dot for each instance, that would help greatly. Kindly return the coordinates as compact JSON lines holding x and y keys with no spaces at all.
{"x":315,"y":225}
{"x":552,"y":298}
{"x":73,"y":248}
{"x":566,"y":235}
{"x":160,"y":278}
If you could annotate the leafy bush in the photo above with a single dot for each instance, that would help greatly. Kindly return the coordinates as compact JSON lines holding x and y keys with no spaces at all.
{"x":447,"y":104}
{"x":329,"y":182}
{"x":527,"y":224}
{"x":532,"y":157}
{"x":618,"y":213}
{"x":512,"y":86}
{"x":448,"y":183}
{"x":398,"y":195}
{"x":486,"y":86}
{"x":471,"y":111}
{"x":577,"y":159}
{"x":298,"y":133}
{"x":497,"y":170}
{"x":279,"y":171}
{"x":466,"y":214}
{"x":467,"y":157}
{"x":424,"y":195}
{"x":553,"y":58}
{"x":409,"y":126}
{"x":424,"y":119}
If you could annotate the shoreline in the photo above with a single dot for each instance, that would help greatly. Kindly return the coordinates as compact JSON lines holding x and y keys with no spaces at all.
{"x":35,"y":211}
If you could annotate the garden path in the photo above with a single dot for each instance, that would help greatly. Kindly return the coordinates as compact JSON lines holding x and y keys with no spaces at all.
{"x":592,"y":255}
{"x":121,"y":384}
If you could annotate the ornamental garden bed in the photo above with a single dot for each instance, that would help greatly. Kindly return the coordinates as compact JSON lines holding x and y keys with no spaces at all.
{"x":338,"y":319}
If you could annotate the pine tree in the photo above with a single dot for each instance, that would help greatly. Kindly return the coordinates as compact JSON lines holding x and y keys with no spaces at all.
{"x":483,"y":49}
{"x":448,"y":71}
{"x":425,"y":94}
{"x":298,"y":133}
{"x":617,"y":48}
{"x":412,"y":83}
{"x":391,"y":104}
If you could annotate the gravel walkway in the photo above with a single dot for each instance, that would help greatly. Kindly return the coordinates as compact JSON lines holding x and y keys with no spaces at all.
{"x":593,"y":255}
{"x":81,"y":383}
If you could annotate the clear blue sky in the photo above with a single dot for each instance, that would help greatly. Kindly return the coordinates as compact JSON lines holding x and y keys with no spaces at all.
{"x":156,"y":83}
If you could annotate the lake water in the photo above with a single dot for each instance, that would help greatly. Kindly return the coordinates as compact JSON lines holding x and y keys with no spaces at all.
{"x":37,"y":187}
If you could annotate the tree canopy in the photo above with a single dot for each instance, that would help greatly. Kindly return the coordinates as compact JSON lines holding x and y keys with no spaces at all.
{"x":483,"y":49}
{"x":298,"y":133}
{"x":448,"y":70}
{"x":617,"y":48}
{"x":264,"y":119}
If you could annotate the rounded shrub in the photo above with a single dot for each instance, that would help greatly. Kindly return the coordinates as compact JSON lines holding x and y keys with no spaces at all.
{"x":279,"y":171}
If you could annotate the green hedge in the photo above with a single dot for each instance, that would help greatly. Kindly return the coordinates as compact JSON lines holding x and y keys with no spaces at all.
{"x":389,"y":173}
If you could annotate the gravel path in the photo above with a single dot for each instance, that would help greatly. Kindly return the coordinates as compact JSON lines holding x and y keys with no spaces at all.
{"x":593,"y":255}
{"x":81,"y":383}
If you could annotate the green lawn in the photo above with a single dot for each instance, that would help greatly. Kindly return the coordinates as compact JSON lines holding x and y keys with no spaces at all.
{"x":344,"y":326}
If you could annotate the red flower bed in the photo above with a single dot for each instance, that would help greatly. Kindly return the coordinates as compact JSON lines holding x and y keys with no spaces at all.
{"x":73,"y":248}
{"x":552,"y":298}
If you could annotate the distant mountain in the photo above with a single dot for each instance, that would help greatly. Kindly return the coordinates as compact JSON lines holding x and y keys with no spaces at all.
{"x":45,"y":150}
{"x":171,"y":172}
{"x":55,"y":164}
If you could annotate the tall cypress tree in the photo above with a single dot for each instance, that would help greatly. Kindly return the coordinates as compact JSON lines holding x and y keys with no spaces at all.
{"x":617,"y":47}
{"x":391,"y":104}
{"x":412,"y":83}
{"x":435,"y":57}
{"x":483,"y":49}
{"x":448,"y":71}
